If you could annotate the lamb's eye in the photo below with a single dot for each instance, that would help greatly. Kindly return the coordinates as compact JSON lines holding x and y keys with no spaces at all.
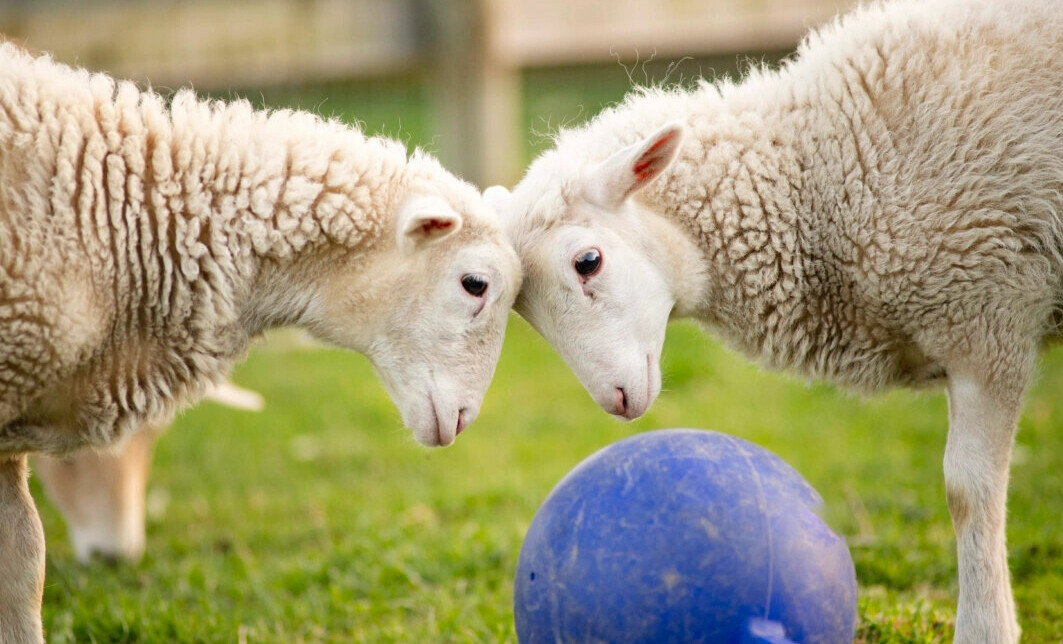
{"x":474,"y":285}
{"x":588,"y":262}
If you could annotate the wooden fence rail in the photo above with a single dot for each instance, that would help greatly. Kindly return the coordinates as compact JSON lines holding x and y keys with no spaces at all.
{"x":473,"y":50}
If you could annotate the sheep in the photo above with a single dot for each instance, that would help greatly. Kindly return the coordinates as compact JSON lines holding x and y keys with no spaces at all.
{"x":881,"y":211}
{"x":143,"y":246}
{"x":101,"y":494}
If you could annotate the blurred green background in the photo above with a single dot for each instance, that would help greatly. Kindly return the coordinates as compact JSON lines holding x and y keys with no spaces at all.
{"x":321,"y":520}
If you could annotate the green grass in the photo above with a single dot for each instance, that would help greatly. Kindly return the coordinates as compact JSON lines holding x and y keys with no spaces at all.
{"x":321,"y":520}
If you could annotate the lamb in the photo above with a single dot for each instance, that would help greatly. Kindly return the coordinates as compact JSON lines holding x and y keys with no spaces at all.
{"x":882,"y":211}
{"x":143,"y":246}
{"x":102,"y":494}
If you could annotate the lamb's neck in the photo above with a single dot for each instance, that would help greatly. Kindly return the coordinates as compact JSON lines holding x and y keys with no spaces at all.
{"x":278,"y":294}
{"x":732,"y":192}
{"x":679,"y":258}
{"x":227,"y":195}
{"x":314,"y":213}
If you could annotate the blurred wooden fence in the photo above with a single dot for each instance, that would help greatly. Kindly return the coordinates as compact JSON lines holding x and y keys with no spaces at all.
{"x":473,"y":49}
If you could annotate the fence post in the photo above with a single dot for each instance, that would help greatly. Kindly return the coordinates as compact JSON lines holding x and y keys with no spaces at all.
{"x":477,"y":93}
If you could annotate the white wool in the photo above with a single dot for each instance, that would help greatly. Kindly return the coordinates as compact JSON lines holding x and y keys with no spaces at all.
{"x":884,"y":210}
{"x":780,"y":175}
{"x":142,"y":244}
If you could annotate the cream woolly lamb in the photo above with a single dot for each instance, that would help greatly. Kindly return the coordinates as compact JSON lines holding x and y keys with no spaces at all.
{"x":142,"y":246}
{"x":882,"y":211}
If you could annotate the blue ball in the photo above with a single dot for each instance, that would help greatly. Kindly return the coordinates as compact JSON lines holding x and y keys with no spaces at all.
{"x":683,"y":535}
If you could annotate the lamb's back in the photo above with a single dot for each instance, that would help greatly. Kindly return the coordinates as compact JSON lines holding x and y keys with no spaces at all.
{"x":909,"y":184}
{"x":115,"y":296}
{"x":932,"y":165}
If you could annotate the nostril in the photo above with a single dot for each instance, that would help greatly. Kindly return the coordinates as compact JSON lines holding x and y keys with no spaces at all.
{"x":621,"y":401}
{"x":461,"y":421}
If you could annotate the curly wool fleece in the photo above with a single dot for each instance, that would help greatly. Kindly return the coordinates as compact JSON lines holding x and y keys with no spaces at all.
{"x":134,"y":234}
{"x":884,"y":210}
{"x":848,"y":203}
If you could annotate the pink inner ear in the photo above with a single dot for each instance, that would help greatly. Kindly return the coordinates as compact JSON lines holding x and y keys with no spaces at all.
{"x":645,"y":169}
{"x":661,"y":141}
{"x":649,"y":163}
{"x":429,"y":226}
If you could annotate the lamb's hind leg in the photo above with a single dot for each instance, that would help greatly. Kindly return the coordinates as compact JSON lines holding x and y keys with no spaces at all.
{"x":983,"y":412}
{"x":21,"y":556}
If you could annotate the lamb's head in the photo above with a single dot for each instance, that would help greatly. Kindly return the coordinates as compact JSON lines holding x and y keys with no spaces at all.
{"x":428,"y":304}
{"x":598,"y":277}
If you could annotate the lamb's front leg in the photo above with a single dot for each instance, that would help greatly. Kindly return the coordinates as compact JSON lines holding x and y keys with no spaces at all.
{"x":982,"y":422}
{"x":21,"y":556}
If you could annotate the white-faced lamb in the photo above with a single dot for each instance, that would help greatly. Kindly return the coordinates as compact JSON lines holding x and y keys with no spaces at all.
{"x":884,"y":210}
{"x":142,"y":245}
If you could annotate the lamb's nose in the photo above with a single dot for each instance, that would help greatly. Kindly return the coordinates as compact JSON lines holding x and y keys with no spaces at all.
{"x":462,"y":423}
{"x":621,"y":402}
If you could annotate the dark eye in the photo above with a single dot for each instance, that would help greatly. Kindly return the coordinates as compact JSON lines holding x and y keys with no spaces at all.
{"x":588,"y":262}
{"x":474,"y":285}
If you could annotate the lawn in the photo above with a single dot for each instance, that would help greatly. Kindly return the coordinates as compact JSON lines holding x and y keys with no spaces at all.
{"x":321,"y":520}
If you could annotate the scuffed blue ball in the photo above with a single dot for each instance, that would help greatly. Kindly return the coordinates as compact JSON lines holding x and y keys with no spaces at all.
{"x":683,"y":535}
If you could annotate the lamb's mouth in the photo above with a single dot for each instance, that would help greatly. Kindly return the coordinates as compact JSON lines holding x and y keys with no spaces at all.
{"x":652,"y":377}
{"x":622,"y":403}
{"x":653,"y":374}
{"x":440,"y":429}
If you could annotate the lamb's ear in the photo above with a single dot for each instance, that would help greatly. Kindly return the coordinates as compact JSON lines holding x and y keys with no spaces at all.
{"x":425,"y":220}
{"x":633,"y":168}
